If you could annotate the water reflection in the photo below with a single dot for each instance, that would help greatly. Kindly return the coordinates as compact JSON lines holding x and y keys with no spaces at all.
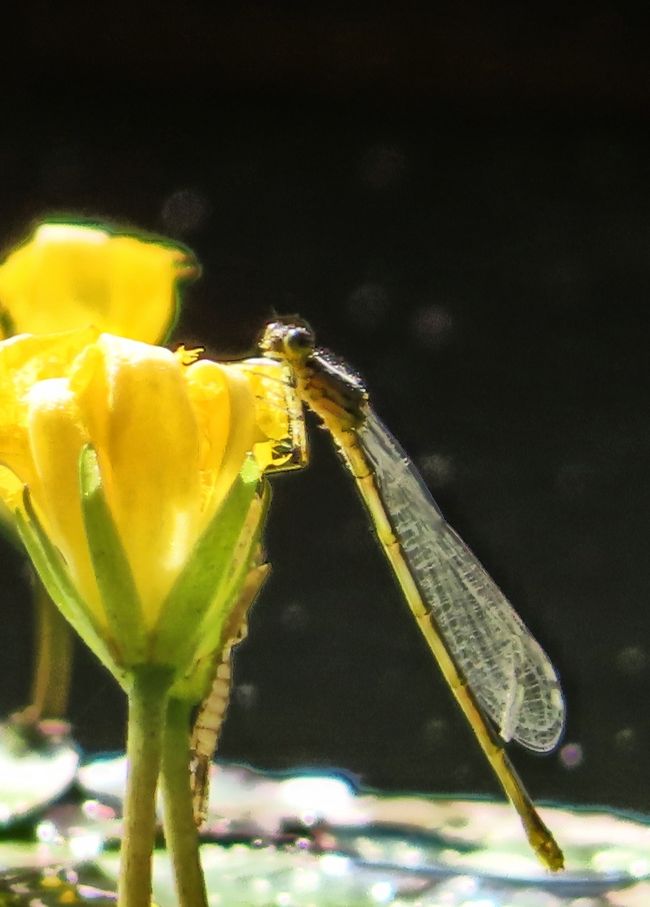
{"x":313,"y":838}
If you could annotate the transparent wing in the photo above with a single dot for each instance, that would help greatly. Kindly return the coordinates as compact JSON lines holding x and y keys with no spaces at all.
{"x":508,"y":671}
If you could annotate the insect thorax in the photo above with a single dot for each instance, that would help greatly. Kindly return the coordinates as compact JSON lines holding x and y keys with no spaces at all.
{"x":332,"y":389}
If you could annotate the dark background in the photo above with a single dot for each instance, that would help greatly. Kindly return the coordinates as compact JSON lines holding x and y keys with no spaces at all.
{"x":460,"y":204}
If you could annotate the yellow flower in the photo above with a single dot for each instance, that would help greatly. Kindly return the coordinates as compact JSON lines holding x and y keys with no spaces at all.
{"x":144,"y":502}
{"x":70,"y":276}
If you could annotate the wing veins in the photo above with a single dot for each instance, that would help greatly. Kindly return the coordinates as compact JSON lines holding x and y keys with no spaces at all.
{"x":487,"y":639}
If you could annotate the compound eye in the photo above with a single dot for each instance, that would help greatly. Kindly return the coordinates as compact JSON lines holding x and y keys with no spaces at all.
{"x":299,"y":340}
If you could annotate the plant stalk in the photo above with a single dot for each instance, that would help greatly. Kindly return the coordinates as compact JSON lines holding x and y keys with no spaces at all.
{"x":53,"y":661}
{"x":147,"y":696}
{"x":180,"y":830}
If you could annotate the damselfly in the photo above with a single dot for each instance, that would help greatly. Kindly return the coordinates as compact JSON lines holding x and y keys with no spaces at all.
{"x":502,"y":680}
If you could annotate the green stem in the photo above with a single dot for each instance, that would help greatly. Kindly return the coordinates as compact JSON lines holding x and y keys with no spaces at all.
{"x":147,"y":704}
{"x":180,"y":831}
{"x":51,"y":679}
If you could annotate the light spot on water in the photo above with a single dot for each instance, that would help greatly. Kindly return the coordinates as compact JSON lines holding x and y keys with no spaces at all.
{"x":625,"y":740}
{"x":436,"y":732}
{"x":640,"y":868}
{"x":245,"y":695}
{"x":85,"y":845}
{"x":368,"y":304}
{"x":432,"y":326}
{"x":460,"y":887}
{"x":294,"y":616}
{"x":261,"y":886}
{"x":481,"y":902}
{"x":632,"y":660}
{"x":185,"y":211}
{"x":316,"y":798}
{"x":307,"y":881}
{"x":382,"y":892}
{"x":437,"y":469}
{"x":47,"y":833}
{"x":571,"y":755}
{"x":462,"y":773}
{"x":335,"y":865}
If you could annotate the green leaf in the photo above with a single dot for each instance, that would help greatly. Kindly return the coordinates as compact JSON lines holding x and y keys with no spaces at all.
{"x":54,"y":575}
{"x":112,"y":569}
{"x":206,"y":571}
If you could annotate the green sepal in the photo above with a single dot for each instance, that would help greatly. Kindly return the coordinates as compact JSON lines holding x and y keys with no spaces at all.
{"x":7,"y":326}
{"x":111,"y":565}
{"x":204,"y":574}
{"x":210,"y":637}
{"x":243,"y":557}
{"x":53,"y":573}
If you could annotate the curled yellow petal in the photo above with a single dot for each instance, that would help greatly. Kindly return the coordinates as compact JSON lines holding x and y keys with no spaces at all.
{"x":225,"y":411}
{"x":133,"y":398}
{"x":25,"y":361}
{"x":56,"y":436}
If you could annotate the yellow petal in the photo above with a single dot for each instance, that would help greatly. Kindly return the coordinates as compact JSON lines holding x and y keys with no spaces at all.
{"x":225,"y":411}
{"x":25,"y":360}
{"x":56,"y":436}
{"x":134,"y":401}
{"x":11,"y":493}
{"x":208,"y":392}
{"x":282,"y":443}
{"x":72,"y":276}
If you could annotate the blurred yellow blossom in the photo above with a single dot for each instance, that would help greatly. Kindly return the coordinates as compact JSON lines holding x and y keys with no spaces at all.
{"x":70,"y":276}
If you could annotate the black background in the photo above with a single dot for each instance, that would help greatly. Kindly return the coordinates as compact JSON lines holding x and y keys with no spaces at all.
{"x":459,"y":203}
